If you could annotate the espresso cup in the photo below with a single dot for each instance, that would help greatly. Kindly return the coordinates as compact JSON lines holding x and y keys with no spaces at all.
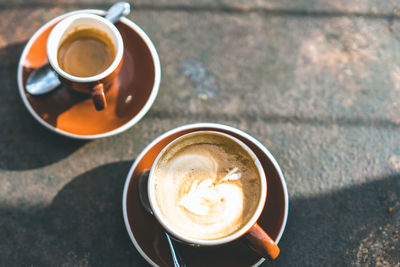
{"x":86,"y":50}
{"x":208,"y":188}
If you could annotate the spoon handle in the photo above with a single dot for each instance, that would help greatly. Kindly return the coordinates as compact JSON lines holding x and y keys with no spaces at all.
{"x":117,"y":10}
{"x":176,"y":256}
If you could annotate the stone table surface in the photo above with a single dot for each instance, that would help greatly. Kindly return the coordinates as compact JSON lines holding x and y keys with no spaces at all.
{"x":316,"y":81}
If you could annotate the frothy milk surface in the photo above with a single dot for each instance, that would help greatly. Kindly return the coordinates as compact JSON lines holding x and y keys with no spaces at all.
{"x":207,"y":186}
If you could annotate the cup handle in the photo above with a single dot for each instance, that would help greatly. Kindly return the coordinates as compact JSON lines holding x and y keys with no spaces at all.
{"x":98,"y":97}
{"x":261,"y":243}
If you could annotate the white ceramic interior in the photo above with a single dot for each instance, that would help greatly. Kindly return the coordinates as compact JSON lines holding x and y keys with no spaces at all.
{"x":75,"y":23}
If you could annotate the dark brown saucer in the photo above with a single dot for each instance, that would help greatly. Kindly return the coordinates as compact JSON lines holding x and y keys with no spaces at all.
{"x":73,"y":114}
{"x":148,"y":236}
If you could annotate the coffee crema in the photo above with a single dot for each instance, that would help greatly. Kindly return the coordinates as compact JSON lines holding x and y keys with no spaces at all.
{"x":86,"y":52}
{"x":206,"y":186}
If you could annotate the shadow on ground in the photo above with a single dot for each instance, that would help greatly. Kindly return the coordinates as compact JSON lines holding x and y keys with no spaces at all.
{"x":24,"y":143}
{"x":357,"y":225}
{"x":83,"y":226}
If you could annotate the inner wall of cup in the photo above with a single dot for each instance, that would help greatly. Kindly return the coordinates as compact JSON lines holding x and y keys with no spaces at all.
{"x":69,"y":25}
{"x":87,"y":23}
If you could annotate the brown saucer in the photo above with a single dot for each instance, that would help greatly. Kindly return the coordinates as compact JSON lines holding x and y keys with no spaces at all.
{"x":148,"y":236}
{"x":73,"y":114}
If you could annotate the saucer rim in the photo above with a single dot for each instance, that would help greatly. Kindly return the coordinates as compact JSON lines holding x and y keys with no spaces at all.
{"x":216,"y":126}
{"x":120,"y":129}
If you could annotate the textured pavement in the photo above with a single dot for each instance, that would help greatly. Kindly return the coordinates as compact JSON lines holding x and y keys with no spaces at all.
{"x":317,"y":82}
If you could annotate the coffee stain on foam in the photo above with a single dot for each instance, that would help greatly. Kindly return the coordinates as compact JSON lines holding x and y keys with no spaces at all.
{"x":205,"y":83}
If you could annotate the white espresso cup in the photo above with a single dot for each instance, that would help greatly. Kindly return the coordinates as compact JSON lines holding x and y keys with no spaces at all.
{"x":97,"y":84}
{"x":185,"y":174}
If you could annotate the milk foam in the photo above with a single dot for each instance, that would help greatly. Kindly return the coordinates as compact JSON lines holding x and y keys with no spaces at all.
{"x":201,"y":192}
{"x":204,"y":195}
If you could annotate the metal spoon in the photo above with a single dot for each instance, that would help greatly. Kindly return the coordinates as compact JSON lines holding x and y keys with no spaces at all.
{"x":44,"y":80}
{"x":143,"y":178}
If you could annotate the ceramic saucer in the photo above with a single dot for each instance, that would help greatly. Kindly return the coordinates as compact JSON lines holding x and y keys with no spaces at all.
{"x":147,"y":235}
{"x":73,"y":114}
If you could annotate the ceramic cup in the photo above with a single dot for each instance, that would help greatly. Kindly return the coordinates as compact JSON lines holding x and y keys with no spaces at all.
{"x":255,"y":236}
{"x":93,"y":85}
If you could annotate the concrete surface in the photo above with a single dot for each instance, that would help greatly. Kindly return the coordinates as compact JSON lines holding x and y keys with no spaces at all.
{"x":316,"y":81}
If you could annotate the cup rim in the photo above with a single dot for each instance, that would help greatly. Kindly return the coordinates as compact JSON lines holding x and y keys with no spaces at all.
{"x":55,"y":36}
{"x":206,"y":242}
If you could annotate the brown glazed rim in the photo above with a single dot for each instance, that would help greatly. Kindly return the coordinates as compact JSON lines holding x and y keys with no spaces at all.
{"x":195,"y":127}
{"x":130,"y":123}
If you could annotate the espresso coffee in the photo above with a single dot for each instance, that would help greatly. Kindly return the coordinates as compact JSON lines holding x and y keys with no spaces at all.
{"x":86,"y":52}
{"x":206,"y":186}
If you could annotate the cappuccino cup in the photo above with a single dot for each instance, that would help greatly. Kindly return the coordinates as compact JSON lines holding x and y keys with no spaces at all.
{"x":208,"y":188}
{"x":86,"y":50}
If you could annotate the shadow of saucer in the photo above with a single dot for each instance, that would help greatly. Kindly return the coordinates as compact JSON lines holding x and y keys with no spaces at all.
{"x":24,"y":143}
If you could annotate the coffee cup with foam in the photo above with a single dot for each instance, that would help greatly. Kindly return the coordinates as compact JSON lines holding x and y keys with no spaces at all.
{"x":208,"y":188}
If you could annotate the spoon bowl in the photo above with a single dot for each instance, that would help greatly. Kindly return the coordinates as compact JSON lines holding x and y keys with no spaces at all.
{"x":42,"y":80}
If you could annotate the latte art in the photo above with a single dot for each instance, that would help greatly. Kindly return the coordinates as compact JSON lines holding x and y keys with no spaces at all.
{"x":207,"y":188}
{"x":209,"y":193}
